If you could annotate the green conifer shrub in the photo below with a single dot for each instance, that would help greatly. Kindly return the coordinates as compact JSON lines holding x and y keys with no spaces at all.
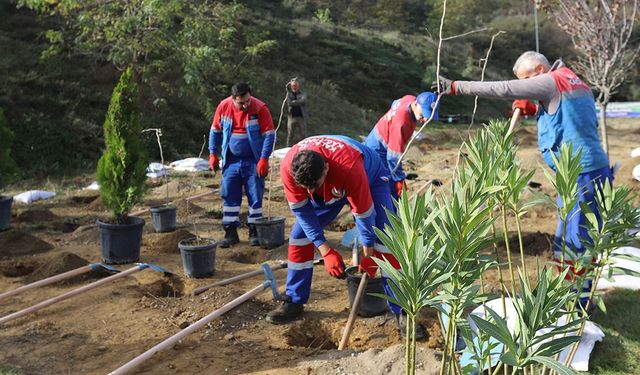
{"x":8,"y":168}
{"x":122,"y":167}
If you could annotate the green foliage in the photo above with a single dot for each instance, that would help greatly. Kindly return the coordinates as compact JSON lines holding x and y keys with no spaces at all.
{"x":323,"y":15}
{"x":8,"y":168}
{"x":412,"y":243}
{"x":122,"y":168}
{"x":542,"y":329}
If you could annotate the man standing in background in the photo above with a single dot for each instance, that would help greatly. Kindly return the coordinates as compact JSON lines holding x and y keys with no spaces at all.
{"x":296,"y":112}
{"x":242,"y":131}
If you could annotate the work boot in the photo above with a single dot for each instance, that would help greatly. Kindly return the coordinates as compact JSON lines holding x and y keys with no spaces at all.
{"x":401,"y":321}
{"x":287,"y":312}
{"x":230,"y":236}
{"x":253,"y":235}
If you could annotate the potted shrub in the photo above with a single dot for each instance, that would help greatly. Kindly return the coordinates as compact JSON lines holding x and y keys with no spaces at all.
{"x":8,"y":170}
{"x":163,"y":216}
{"x":121,"y":174}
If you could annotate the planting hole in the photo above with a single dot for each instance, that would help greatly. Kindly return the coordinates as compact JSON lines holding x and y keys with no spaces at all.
{"x":17,"y":268}
{"x":311,"y":334}
{"x":247,"y":256}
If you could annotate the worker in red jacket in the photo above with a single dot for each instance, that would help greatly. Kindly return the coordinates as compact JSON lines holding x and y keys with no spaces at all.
{"x":320,"y":175}
{"x":242,"y":132}
{"x":392,"y":133}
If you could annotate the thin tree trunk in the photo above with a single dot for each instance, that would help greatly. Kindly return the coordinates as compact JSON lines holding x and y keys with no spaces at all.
{"x":603,"y":127}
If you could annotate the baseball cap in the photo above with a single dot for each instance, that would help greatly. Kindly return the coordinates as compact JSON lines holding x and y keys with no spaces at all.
{"x":427,"y":101}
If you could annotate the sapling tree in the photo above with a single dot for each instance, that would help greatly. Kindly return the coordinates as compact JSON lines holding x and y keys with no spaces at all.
{"x":165,"y":176}
{"x":462,"y":230}
{"x":411,"y":241}
{"x":122,"y":168}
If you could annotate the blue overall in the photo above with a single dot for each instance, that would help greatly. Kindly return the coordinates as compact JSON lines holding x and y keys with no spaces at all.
{"x":240,"y":154}
{"x":576,"y":231}
{"x":575,"y":123}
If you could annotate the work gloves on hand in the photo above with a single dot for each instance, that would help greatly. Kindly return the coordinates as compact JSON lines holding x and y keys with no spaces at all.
{"x":526,"y":107}
{"x":400,"y":185}
{"x":444,"y":86}
{"x":334,"y":264}
{"x":368,"y":265}
{"x":263,"y":167}
{"x":214,"y":162}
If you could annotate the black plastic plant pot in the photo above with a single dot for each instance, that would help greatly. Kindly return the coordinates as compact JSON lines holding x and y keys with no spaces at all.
{"x":5,"y":212}
{"x":270,"y":231}
{"x":120,"y":243}
{"x":369,"y":305}
{"x":198,"y":256}
{"x":164,"y":218}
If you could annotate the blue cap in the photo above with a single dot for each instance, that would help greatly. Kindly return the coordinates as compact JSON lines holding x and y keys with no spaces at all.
{"x":427,"y":101}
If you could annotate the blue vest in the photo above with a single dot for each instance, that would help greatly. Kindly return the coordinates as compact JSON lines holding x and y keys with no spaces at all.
{"x":575,"y":123}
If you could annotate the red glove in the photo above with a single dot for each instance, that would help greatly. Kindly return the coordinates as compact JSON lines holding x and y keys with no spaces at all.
{"x":526,"y":107}
{"x":334,"y":264}
{"x":263,"y":167}
{"x":400,"y":185}
{"x":368,"y":265}
{"x":214,"y":162}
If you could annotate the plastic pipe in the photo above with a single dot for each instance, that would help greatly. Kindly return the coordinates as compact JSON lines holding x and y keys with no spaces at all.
{"x":127,"y":367}
{"x":71,"y":293}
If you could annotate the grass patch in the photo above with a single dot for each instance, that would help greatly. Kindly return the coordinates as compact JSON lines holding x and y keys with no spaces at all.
{"x":619,"y":351}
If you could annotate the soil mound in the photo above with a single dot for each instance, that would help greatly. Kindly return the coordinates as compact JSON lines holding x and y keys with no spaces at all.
{"x":373,"y":361}
{"x":86,"y":234}
{"x":84,"y":198}
{"x":16,"y":243}
{"x":158,"y":285}
{"x":36,"y":215}
{"x":55,"y":264}
{"x":183,"y":212}
{"x":166,"y":243}
{"x":534,"y":243}
{"x":96,"y":205}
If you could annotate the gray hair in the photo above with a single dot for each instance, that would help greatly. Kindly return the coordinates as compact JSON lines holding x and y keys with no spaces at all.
{"x":529,"y":60}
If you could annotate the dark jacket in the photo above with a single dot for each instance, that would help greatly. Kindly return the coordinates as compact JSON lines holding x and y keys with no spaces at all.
{"x":298,"y":99}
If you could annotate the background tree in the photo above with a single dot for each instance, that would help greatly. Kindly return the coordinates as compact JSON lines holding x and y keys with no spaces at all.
{"x":601,"y":32}
{"x":8,"y":169}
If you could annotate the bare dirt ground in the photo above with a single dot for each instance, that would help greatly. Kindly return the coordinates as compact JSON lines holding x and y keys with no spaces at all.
{"x":100,"y":330}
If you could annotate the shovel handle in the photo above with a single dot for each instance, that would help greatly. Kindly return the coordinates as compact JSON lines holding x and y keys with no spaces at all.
{"x":47,"y":281}
{"x":354,"y":309}
{"x":69,"y":294}
{"x":514,"y":120}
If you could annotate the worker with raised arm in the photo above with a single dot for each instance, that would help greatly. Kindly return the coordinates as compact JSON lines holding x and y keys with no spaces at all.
{"x":566,"y":114}
{"x":392,"y":133}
